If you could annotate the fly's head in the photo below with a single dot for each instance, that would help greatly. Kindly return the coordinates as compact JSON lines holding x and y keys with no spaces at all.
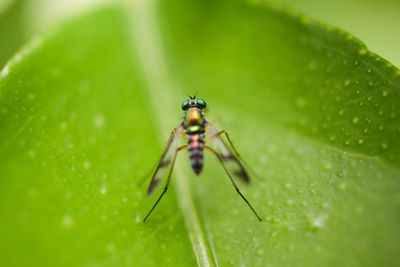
{"x":194,"y":102}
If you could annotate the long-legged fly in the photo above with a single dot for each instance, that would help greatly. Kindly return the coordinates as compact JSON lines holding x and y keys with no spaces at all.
{"x":200,"y":136}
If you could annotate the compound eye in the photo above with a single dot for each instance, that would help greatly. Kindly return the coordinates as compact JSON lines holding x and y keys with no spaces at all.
{"x":201,"y":102}
{"x":185,"y":105}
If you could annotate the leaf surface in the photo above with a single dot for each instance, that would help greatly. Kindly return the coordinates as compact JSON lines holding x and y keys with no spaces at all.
{"x":86,"y":107}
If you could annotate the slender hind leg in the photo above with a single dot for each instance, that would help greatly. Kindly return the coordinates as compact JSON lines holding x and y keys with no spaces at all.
{"x":232,"y":181}
{"x":224,"y":132}
{"x":155,"y":168}
{"x":168,"y":180}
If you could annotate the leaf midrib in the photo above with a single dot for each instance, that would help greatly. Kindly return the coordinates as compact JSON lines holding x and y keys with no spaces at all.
{"x":146,"y":37}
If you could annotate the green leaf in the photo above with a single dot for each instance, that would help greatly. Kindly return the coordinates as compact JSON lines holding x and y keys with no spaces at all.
{"x":85,"y":110}
{"x":369,"y":20}
{"x":77,"y":135}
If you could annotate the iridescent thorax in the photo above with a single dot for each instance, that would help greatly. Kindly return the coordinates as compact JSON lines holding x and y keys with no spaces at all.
{"x":193,"y":120}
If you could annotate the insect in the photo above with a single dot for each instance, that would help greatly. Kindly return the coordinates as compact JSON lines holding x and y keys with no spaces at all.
{"x":194,"y":127}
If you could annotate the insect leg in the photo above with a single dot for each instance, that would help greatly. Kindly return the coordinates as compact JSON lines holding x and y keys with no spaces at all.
{"x":168,"y":180}
{"x":146,"y":176}
{"x":162,"y":162}
{"x":224,"y":132}
{"x":220,"y":158}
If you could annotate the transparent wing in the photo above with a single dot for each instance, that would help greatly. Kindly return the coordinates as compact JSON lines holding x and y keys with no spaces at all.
{"x":230,"y":158}
{"x":166,"y":159}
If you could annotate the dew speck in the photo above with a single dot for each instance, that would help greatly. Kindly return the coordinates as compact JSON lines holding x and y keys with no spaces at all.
{"x":385,"y":93}
{"x":384,"y":145}
{"x":138,"y":219}
{"x":31,"y":96}
{"x":33,"y":193}
{"x":87,"y":165}
{"x":359,"y":210}
{"x":263,"y":159}
{"x":312,"y":65}
{"x":355,"y":120}
{"x":360,"y":141}
{"x":63,"y":125}
{"x":369,"y":70}
{"x":235,"y":211}
{"x":341,"y":112}
{"x":67,"y":221}
{"x":103,"y":190}
{"x":300,"y":102}
{"x":342,"y":186}
{"x":70,"y":145}
{"x":363,"y":51}
{"x":68,"y":195}
{"x":327,"y":166}
{"x":317,"y":222}
{"x":103,"y":217}
{"x":84,"y":87}
{"x":110,"y":247}
{"x":98,"y":121}
{"x":346,"y":83}
{"x":31,"y":153}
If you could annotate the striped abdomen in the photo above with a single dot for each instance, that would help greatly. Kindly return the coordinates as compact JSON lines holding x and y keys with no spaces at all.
{"x":196,"y":147}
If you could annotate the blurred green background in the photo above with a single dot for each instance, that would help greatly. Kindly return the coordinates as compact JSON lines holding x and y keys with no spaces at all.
{"x":90,"y":91}
{"x":374,"y":22}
